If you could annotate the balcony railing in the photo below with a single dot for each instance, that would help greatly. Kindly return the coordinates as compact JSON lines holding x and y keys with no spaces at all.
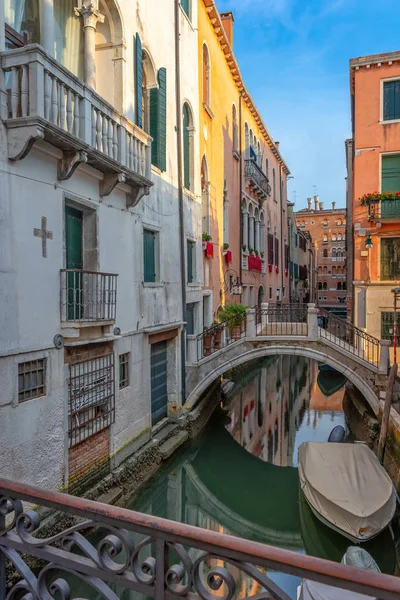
{"x":88,"y":296}
{"x":258,"y":180}
{"x":41,"y":99}
{"x":384,"y":209}
{"x":113,"y":552}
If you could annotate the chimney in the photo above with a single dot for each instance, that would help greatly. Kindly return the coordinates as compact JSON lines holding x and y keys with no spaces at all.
{"x":227,"y":19}
{"x":333,"y":205}
{"x":277,"y":145}
{"x":316,"y":200}
{"x":309,"y":202}
{"x":321,"y":206}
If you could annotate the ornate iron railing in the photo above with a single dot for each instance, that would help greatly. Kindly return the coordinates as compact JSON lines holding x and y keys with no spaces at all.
{"x":282,"y":319}
{"x":253,"y":172}
{"x":349,"y":337}
{"x":109,"y":550}
{"x":88,"y":295}
{"x":384,"y":209}
{"x":221,"y":335}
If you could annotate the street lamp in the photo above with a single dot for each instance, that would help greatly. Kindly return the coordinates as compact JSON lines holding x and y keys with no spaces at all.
{"x":368,"y":242}
{"x":396,"y":299}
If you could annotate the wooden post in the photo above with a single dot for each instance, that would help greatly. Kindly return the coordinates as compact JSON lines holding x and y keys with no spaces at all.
{"x":386,"y":412}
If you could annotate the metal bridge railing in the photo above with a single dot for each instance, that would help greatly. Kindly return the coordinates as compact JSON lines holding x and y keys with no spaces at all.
{"x":282,"y":319}
{"x":110,"y":549}
{"x":349,"y":337}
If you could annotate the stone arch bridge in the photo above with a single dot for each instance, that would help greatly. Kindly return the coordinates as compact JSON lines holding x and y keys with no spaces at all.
{"x":302,"y":330}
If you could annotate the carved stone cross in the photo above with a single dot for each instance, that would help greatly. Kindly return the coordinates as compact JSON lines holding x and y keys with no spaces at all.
{"x":44,"y":235}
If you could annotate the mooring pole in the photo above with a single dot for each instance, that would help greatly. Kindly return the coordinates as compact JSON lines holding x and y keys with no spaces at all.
{"x":386,"y":412}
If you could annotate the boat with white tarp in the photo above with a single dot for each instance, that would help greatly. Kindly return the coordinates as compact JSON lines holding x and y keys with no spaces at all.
{"x":347,"y":488}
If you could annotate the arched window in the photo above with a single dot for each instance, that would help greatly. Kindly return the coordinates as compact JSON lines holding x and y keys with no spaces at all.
{"x":334,"y":253}
{"x":338,"y":254}
{"x":259,"y":154}
{"x":339,"y":285}
{"x":325,"y":285}
{"x":325,"y":253}
{"x":333,"y":237}
{"x":267,"y":168}
{"x":245,"y":228}
{"x":339,"y":237}
{"x":247,"y":140}
{"x":339,"y":270}
{"x":274,"y":184}
{"x":253,"y":154}
{"x":251,"y":228}
{"x":325,"y":271}
{"x":320,"y":285}
{"x":235,"y":136}
{"x":319,"y":270}
{"x":205,"y":196}
{"x":256,"y":230}
{"x":188,"y":148}
{"x":206,"y":76}
{"x":344,"y":286}
{"x":226,"y":214}
{"x":333,"y":270}
{"x":325,"y":239}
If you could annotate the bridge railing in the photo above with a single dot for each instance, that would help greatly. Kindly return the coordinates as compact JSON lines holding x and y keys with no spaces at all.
{"x":349,"y":337}
{"x":109,"y":549}
{"x":221,"y":334}
{"x":282,"y":319}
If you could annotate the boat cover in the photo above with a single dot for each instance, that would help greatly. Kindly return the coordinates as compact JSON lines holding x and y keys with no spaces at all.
{"x":347,"y":486}
{"x":312,"y":590}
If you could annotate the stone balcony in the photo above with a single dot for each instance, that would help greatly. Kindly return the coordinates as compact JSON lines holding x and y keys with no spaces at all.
{"x":41,"y":100}
{"x":256,"y":179}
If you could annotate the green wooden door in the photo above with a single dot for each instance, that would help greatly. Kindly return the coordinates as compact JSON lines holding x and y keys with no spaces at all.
{"x":159,"y":395}
{"x":74,"y":260}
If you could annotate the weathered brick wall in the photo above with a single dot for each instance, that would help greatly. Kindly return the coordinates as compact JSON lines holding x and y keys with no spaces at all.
{"x":88,"y":352}
{"x":88,"y":462}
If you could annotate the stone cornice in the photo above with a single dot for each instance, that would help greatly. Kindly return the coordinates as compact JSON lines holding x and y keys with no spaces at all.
{"x":216,"y":22}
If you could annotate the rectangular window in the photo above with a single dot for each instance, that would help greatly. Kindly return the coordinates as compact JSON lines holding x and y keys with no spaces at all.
{"x":270,"y":293}
{"x":186,"y":5}
{"x":31,"y":379}
{"x":276,"y":252}
{"x":387,"y":326}
{"x":278,"y":294}
{"x":124,"y":370}
{"x":91,"y":397}
{"x":284,"y":291}
{"x":390,"y":258}
{"x":149,"y":255}
{"x":191,"y":261}
{"x":391,"y":100}
{"x":270,"y":249}
{"x":390,"y":174}
{"x":190,"y":319}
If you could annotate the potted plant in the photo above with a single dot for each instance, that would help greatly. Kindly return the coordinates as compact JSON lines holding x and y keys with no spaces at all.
{"x":256,"y":252}
{"x":251,"y":250}
{"x":207,"y":341}
{"x":262,"y":254}
{"x":235,"y":314}
{"x":244,"y":247}
{"x":217,"y":328}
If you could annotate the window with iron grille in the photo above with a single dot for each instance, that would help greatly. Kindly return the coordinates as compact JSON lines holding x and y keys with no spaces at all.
{"x":91,"y":397}
{"x":387,"y":326}
{"x":31,"y":379}
{"x":390,"y":258}
{"x":124,"y":370}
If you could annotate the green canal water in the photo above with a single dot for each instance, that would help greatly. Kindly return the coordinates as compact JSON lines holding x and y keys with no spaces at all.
{"x":240,"y":475}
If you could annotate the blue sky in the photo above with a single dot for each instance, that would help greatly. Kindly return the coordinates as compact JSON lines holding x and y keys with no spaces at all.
{"x":293,"y":55}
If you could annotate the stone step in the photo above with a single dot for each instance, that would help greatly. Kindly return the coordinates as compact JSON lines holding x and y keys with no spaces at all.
{"x":170,"y":445}
{"x":111,"y":496}
{"x":165,"y":433}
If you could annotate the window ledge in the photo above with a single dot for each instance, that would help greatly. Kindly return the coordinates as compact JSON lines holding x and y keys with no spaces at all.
{"x":153,"y":284}
{"x":391,"y":122}
{"x":189,"y":193}
{"x":157,"y":170}
{"x":236,"y":155}
{"x":193,"y":285}
{"x":208,"y":110}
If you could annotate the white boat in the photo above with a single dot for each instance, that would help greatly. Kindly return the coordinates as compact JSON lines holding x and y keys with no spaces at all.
{"x":354,"y":557}
{"x":347,"y":488}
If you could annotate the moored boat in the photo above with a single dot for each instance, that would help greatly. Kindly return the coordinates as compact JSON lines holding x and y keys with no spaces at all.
{"x":347,"y":488}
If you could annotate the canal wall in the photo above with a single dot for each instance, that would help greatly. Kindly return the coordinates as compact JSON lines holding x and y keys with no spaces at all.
{"x":365,"y":426}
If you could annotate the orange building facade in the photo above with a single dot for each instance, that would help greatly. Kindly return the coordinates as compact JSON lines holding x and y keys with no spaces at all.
{"x":373,"y":163}
{"x":327,"y":227}
{"x":243,"y":179}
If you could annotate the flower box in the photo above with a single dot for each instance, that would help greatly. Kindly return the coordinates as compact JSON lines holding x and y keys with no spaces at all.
{"x":255,"y":263}
{"x":270,"y":267}
{"x":228,"y":255}
{"x":286,"y":272}
{"x":209,"y":250}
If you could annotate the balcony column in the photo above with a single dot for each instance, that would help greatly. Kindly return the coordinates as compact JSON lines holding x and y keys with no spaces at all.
{"x":251,"y":232}
{"x":257,"y":236}
{"x":89,"y":11}
{"x":47,"y":25}
{"x":245,"y":228}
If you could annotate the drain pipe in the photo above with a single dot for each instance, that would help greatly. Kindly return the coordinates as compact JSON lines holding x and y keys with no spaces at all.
{"x":240,"y":189}
{"x":180,"y":193}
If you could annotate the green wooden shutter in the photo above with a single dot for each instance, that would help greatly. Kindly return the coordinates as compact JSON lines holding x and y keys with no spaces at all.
{"x":149,"y":255}
{"x":158,"y":122}
{"x":186,"y":7}
{"x":390,"y":258}
{"x":189,"y":262}
{"x":391,"y":173}
{"x":186,"y":148}
{"x":138,"y":79}
{"x":391,"y":100}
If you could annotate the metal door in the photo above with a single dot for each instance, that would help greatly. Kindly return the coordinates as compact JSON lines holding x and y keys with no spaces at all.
{"x":159,"y":395}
